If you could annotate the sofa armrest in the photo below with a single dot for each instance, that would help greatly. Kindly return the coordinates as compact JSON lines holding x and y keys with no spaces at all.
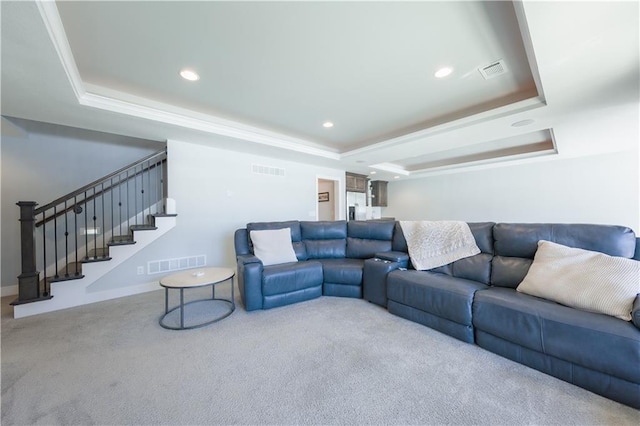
{"x":394,"y":256}
{"x":245,"y":259}
{"x":374,"y":275}
{"x":250,"y":281}
{"x":635,"y":311}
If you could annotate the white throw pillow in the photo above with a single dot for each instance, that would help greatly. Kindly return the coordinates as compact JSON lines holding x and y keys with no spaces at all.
{"x":273,"y":246}
{"x":583,"y":279}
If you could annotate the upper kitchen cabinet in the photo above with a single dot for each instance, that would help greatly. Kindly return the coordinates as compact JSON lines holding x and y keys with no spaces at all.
{"x":379,"y":193}
{"x":356,"y":182}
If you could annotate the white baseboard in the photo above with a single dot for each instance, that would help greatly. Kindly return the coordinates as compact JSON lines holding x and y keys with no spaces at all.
{"x":72,"y":300}
{"x":9,"y":290}
{"x":99,"y":296}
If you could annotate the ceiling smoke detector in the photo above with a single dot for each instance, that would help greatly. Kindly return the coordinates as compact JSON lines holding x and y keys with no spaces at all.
{"x":494,"y":69}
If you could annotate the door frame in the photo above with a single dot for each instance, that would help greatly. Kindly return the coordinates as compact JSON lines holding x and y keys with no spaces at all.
{"x":339,"y":196}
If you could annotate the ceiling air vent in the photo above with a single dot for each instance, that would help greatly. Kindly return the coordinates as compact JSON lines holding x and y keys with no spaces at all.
{"x":267,"y":170}
{"x":494,"y":69}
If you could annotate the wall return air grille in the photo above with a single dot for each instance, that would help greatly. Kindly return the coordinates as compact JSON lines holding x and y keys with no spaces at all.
{"x":267,"y":170}
{"x":168,"y":265}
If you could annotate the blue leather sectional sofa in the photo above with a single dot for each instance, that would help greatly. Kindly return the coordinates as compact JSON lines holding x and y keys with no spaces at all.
{"x":331,"y":258}
{"x":473,"y":299}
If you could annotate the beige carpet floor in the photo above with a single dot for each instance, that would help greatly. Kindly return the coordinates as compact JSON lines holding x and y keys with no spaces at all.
{"x":327,"y":361}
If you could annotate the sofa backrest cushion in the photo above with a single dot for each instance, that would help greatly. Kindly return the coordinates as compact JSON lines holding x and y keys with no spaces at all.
{"x":325,"y":239}
{"x":478,"y":267}
{"x":515,"y":245}
{"x":366,"y":238}
{"x":296,"y":234}
{"x":399,"y":243}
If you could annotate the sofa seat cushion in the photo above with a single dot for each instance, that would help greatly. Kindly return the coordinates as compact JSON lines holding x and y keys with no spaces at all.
{"x":288,"y":277}
{"x":580,"y":337}
{"x":342,"y":271}
{"x":438,"y":294}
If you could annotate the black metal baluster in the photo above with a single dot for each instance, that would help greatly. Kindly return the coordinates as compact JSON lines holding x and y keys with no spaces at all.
{"x":149,"y":185}
{"x":66,"y":241}
{"x":120,"y":203}
{"x":128,"y":199}
{"x":44,"y":254}
{"x":155,"y":183}
{"x":95,"y":229}
{"x":112,"y":212}
{"x":86,"y":227}
{"x":102,"y":197}
{"x":142,"y":190}
{"x":150,"y":191}
{"x":135,"y":194}
{"x":75,"y":221}
{"x":55,"y":240}
{"x":161,"y":186}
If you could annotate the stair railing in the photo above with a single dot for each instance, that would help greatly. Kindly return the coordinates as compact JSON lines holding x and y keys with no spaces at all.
{"x":78,"y":227}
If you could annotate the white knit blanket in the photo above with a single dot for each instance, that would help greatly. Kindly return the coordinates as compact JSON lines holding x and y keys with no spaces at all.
{"x":433,"y":244}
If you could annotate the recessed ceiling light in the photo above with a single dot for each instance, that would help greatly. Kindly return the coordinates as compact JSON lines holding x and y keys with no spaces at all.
{"x":190,"y":75}
{"x":443,"y":72}
{"x":396,"y":177}
{"x":327,"y":124}
{"x":522,"y":123}
{"x":373,"y":172}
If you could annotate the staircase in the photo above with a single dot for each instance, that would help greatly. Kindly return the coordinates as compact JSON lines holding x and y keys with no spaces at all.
{"x":70,"y":243}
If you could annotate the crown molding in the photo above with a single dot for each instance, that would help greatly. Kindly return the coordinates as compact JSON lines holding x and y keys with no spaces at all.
{"x":160,"y":112}
{"x":472,"y":120}
{"x":491,"y":163}
{"x":166,"y":114}
{"x":53,"y":23}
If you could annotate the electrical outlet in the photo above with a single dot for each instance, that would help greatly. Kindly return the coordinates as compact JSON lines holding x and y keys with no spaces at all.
{"x":140,"y":270}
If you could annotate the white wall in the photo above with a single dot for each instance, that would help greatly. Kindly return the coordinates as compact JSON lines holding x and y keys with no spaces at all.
{"x":216,"y":193}
{"x":595,"y":189}
{"x":595,"y":178}
{"x":41,"y":162}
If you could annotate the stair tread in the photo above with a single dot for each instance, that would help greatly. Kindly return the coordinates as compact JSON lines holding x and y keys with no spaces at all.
{"x":93,"y":259}
{"x":120,"y":240}
{"x":164,"y":215}
{"x":62,"y":277}
{"x":143,"y":227}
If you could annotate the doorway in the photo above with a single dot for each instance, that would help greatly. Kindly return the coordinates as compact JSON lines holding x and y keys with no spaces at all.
{"x":328,"y":199}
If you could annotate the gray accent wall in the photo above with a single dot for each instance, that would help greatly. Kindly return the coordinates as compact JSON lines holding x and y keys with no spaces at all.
{"x":41,"y":162}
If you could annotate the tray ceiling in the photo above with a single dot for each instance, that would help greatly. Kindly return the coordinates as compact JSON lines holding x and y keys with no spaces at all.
{"x":271,"y":73}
